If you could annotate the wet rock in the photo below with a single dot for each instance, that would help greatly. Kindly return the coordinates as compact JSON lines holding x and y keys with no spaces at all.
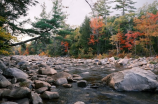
{"x":50,"y":95}
{"x":77,"y":78}
{"x":67,"y":85}
{"x":41,"y":90}
{"x":36,"y":99}
{"x":9,"y":102}
{"x":53,"y":89}
{"x":82,"y":83}
{"x":23,"y":101}
{"x":39,"y":84}
{"x":86,"y":73}
{"x":61,"y":81}
{"x":79,"y":102}
{"x":15,"y":72}
{"x":113,"y":95}
{"x":135,"y":79}
{"x":62,"y":75}
{"x":47,"y":71}
{"x":4,"y":82}
{"x":16,"y":93}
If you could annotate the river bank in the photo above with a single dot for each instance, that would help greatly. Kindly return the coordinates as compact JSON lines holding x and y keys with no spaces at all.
{"x":62,"y":80}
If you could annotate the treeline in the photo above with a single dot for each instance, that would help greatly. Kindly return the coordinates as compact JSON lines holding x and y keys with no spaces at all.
{"x":133,"y":33}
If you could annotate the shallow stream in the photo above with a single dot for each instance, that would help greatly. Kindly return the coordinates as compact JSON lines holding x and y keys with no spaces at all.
{"x":101,"y":95}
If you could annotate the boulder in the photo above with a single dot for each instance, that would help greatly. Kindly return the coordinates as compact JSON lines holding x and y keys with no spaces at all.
{"x":62,"y":75}
{"x":50,"y":95}
{"x":82,"y":83}
{"x":135,"y":79}
{"x":15,"y":72}
{"x":4,"y":82}
{"x":16,"y":93}
{"x":123,"y":62}
{"x":61,"y":81}
{"x":36,"y":99}
{"x":39,"y":84}
{"x":47,"y":71}
{"x":2,"y":65}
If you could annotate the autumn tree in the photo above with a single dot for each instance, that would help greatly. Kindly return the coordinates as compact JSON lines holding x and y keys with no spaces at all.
{"x":124,"y":5}
{"x":97,"y":27}
{"x":148,"y":26}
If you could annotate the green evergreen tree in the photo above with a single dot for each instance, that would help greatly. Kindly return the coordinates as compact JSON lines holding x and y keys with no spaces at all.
{"x":125,"y":5}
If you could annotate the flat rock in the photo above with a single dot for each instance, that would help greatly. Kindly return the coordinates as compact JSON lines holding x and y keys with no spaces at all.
{"x":47,"y":71}
{"x":50,"y":95}
{"x":39,"y":84}
{"x":41,"y":90}
{"x":15,"y":72}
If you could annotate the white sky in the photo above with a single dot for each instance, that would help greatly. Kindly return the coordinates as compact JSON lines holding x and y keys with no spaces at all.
{"x":77,"y":10}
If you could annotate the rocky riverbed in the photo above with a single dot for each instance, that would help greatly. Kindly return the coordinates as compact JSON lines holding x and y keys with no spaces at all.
{"x":37,"y":79}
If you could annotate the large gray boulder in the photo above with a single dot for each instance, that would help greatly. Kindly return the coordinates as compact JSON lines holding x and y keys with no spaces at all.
{"x":4,"y":82}
{"x":135,"y":79}
{"x":15,"y":72}
{"x":16,"y":93}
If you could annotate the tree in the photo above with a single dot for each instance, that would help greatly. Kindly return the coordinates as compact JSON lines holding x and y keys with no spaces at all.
{"x":147,"y":25}
{"x":101,"y":8}
{"x":13,"y":10}
{"x":125,"y":5}
{"x":148,"y":8}
{"x":10,"y":12}
{"x":85,"y":32}
{"x":97,"y":27}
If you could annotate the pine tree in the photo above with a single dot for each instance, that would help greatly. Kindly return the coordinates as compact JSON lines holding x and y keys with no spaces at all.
{"x":125,"y":5}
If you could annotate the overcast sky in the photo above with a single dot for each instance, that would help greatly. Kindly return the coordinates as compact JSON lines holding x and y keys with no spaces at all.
{"x":77,"y":9}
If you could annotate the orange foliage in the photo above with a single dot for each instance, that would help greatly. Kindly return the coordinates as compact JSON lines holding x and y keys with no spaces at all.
{"x":131,"y":38}
{"x":147,"y":25}
{"x":42,"y":54}
{"x":97,"y":25}
{"x":92,"y":40}
{"x":66,"y":45}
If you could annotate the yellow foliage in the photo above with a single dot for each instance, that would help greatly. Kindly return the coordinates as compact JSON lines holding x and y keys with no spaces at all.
{"x":4,"y":52}
{"x":42,"y":54}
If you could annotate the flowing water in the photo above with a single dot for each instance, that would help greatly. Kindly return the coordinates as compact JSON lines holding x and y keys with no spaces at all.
{"x":101,"y":95}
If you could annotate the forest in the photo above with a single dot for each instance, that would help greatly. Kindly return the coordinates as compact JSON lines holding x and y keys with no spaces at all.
{"x":132,"y":33}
